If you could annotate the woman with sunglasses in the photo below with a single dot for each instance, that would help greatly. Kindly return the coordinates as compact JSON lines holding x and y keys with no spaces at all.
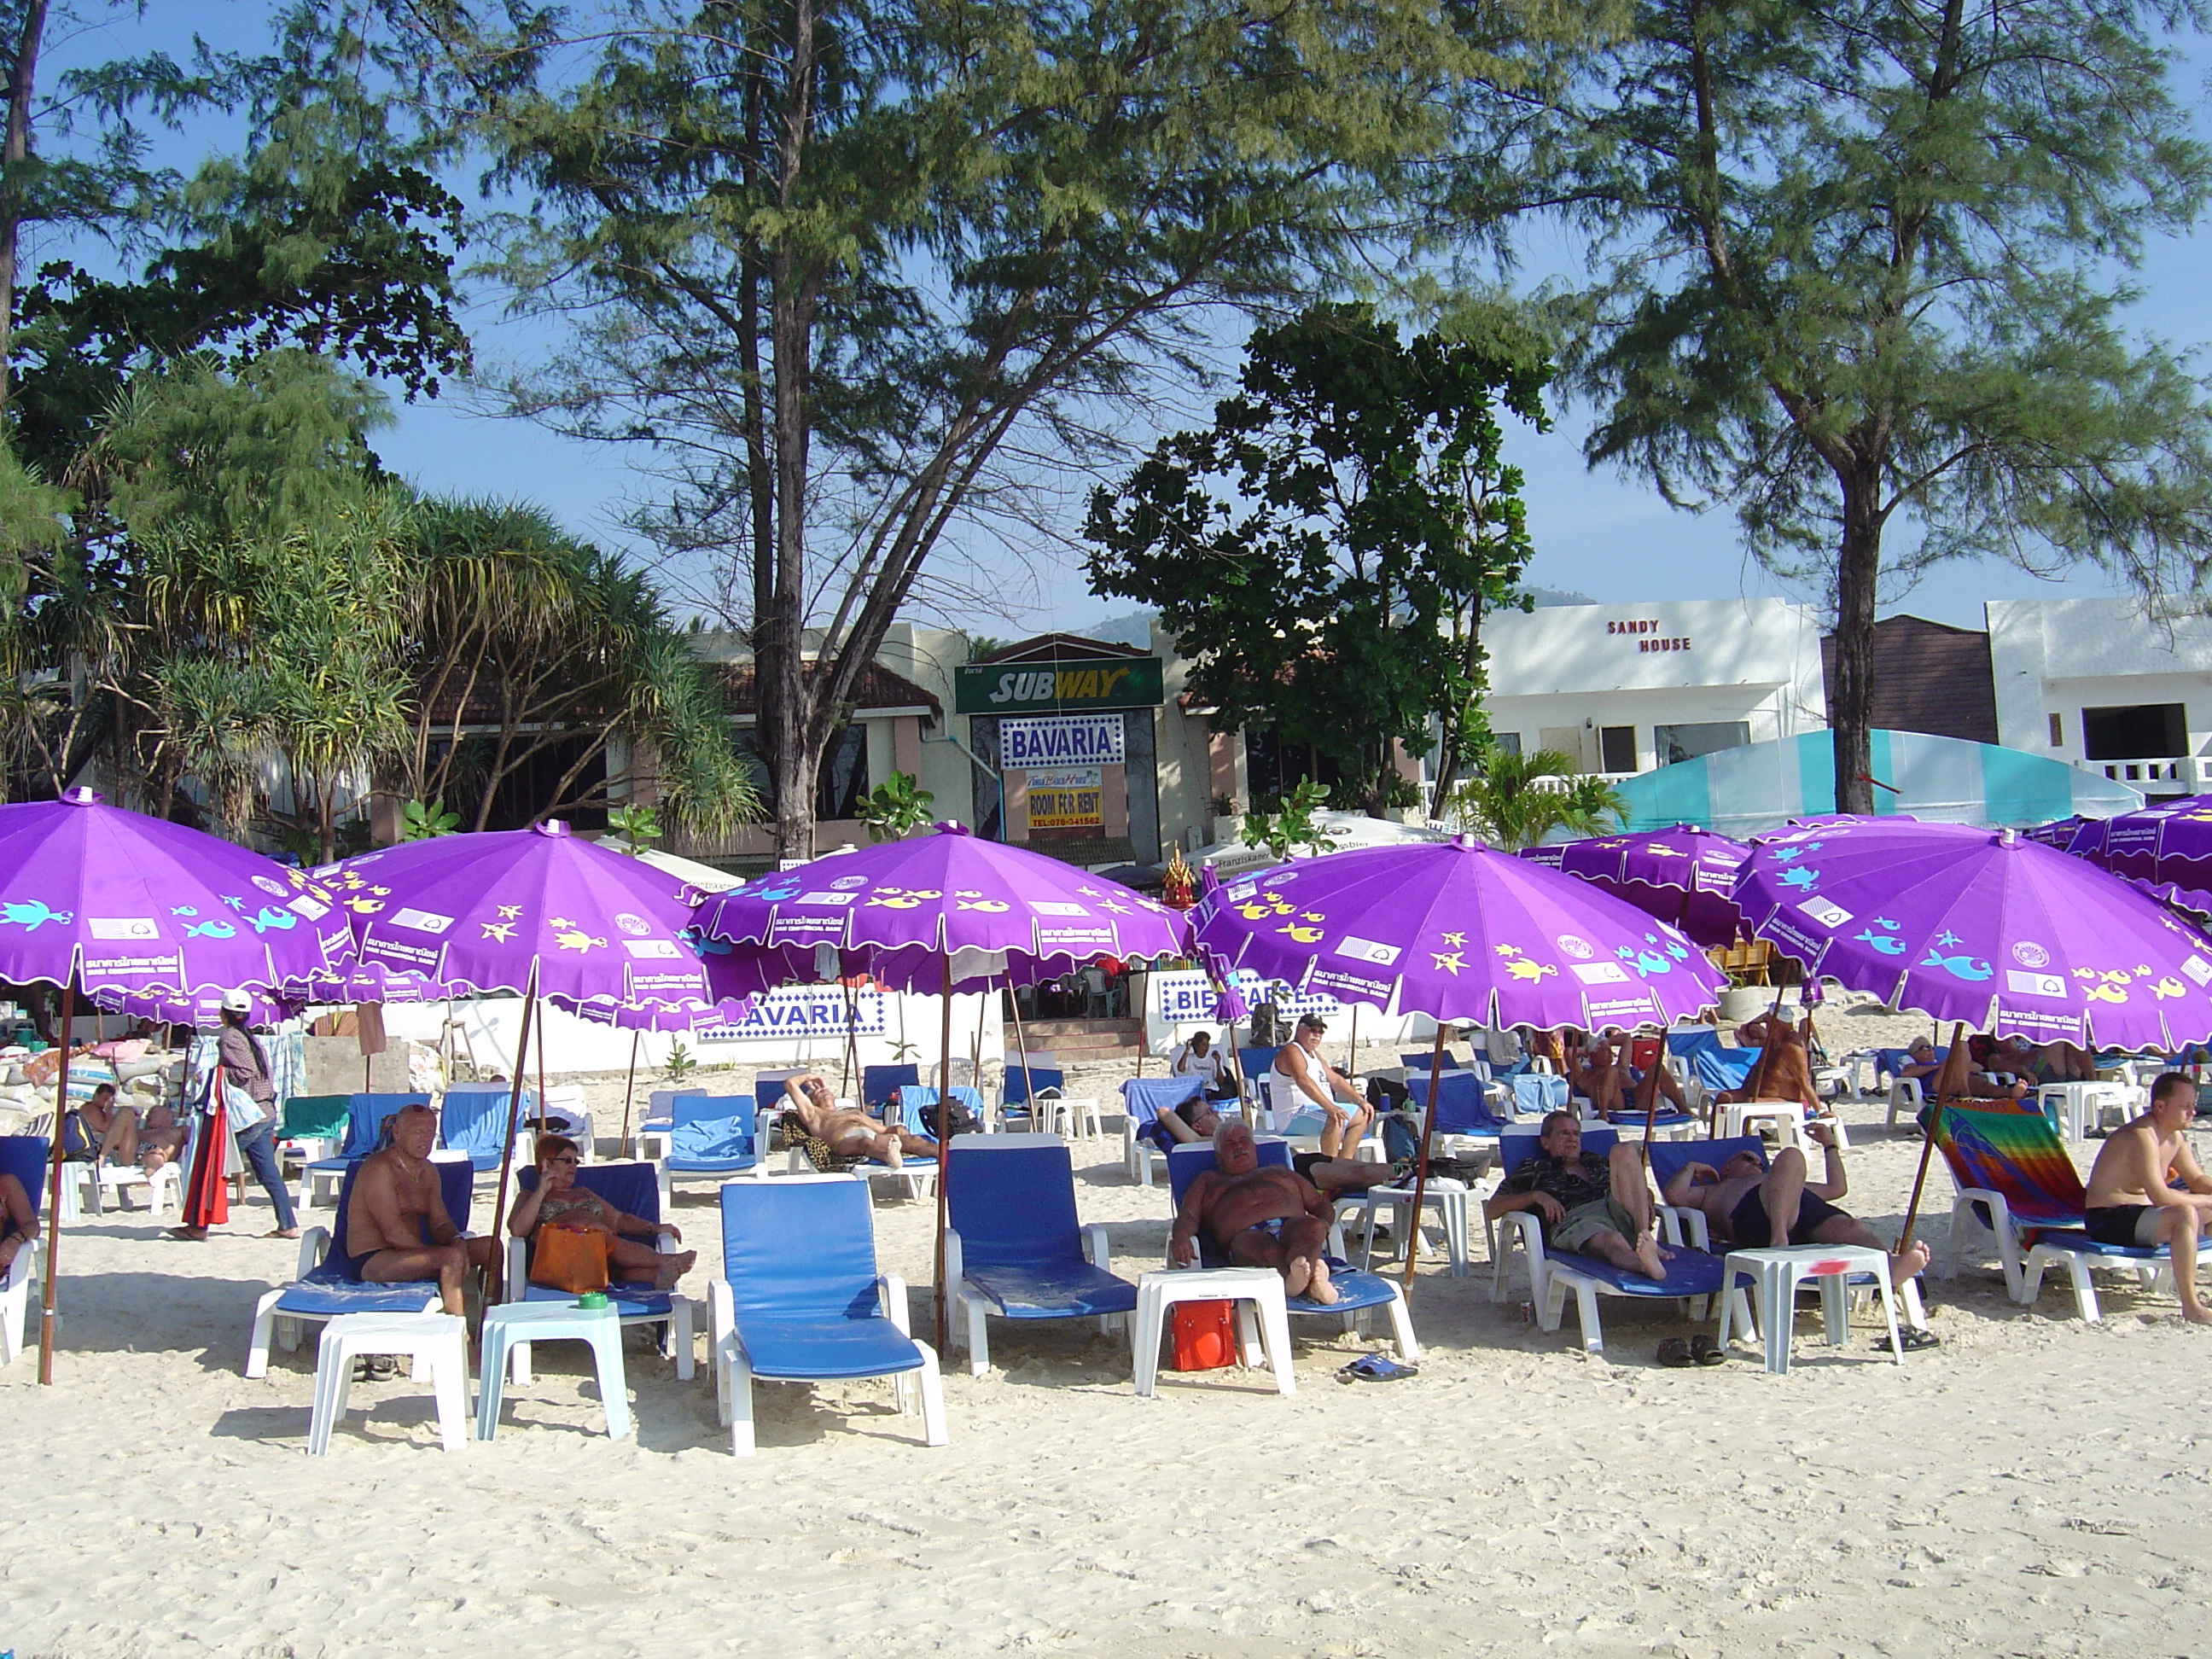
{"x":557,"y":1197}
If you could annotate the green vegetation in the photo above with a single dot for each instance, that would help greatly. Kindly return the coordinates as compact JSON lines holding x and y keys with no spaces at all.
{"x":1514,"y":800}
{"x":896,"y":808}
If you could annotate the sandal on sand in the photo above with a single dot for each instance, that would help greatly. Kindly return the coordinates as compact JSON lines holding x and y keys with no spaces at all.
{"x":1674,"y":1351}
{"x":1375,"y":1368}
{"x":1916,"y":1338}
{"x":1707,"y":1352}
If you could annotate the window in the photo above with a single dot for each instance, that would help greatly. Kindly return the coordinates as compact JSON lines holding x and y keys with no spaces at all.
{"x":1616,"y":748}
{"x":843,"y":779}
{"x":2146,"y":730}
{"x":1680,"y":743}
{"x":2057,"y":730}
{"x":1508,"y":743}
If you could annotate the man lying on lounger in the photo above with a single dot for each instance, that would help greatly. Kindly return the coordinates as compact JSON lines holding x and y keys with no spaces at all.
{"x":846,"y":1131}
{"x":1594,"y":1205}
{"x":396,"y":1228}
{"x":1752,"y":1206}
{"x":2147,"y":1190}
{"x":1263,"y":1218}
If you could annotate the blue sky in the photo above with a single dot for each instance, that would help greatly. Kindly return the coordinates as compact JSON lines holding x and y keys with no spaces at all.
{"x":1600,"y":533}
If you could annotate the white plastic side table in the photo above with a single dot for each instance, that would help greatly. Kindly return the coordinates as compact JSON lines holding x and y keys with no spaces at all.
{"x":511,"y":1323}
{"x":1777,"y":1273}
{"x":436,"y":1342}
{"x":1255,"y":1289}
{"x":1447,"y":1194}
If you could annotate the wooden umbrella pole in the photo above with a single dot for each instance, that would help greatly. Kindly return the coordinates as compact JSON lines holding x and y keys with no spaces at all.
{"x":944,"y":1153}
{"x":853,"y":1041}
{"x":1352,"y":1059}
{"x":1950,"y":1080}
{"x":1022,"y":1048}
{"x":1421,"y":1157}
{"x":46,"y":1273}
{"x":630,"y":1089}
{"x":514,"y":1112}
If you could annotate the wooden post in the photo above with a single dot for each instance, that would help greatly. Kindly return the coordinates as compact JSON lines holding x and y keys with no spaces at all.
{"x":943,"y":1155}
{"x":1950,"y":1081}
{"x":1421,"y":1157}
{"x":629,"y":1089}
{"x":46,"y":1273}
{"x":1022,"y":1048}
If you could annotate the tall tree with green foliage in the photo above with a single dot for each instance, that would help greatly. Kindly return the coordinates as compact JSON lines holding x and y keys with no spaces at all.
{"x":1868,"y":286}
{"x":1325,"y":552}
{"x":855,"y":271}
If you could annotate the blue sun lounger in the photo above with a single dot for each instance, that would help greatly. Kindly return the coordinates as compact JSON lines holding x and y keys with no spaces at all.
{"x":329,"y":1282}
{"x":1692,"y":1275}
{"x":800,"y":1300}
{"x":1356,"y":1292}
{"x":634,"y":1189}
{"x":23,"y":1157}
{"x":1014,"y":1247}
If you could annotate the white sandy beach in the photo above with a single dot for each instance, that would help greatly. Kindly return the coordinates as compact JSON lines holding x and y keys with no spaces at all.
{"x":2034,"y":1486}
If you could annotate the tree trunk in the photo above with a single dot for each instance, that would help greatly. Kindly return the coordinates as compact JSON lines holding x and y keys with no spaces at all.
{"x":14,"y":151}
{"x":1858,"y":563}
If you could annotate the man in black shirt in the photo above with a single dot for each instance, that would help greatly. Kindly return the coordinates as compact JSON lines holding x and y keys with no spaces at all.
{"x":1594,"y":1205}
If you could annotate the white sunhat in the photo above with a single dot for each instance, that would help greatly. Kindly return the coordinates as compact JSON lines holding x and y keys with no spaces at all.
{"x":237,"y":1002}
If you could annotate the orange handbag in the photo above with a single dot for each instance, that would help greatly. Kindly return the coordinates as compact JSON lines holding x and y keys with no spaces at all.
{"x":1205,"y":1335}
{"x":569,"y":1258}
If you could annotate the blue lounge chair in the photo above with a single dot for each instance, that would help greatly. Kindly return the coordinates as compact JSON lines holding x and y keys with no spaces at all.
{"x":1026,"y":1083}
{"x":327,"y":1285}
{"x":23,"y":1157}
{"x":472,"y":1120}
{"x":1419,"y":1062}
{"x":365,"y":1116}
{"x":710,"y":1139}
{"x":1014,"y":1247}
{"x":1693,"y":1274}
{"x":633,"y":1188}
{"x":881,"y":1082}
{"x":800,"y":1300}
{"x":1356,"y":1292}
{"x":918,"y":1106}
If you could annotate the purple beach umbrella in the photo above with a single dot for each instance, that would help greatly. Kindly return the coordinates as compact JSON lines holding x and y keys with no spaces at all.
{"x":1462,"y":933}
{"x":2166,"y":850}
{"x":1984,"y":926}
{"x":541,"y":913}
{"x":937,"y":913}
{"x":115,"y":903}
{"x":1681,"y":875}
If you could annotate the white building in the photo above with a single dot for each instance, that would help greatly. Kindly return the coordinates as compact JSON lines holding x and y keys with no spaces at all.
{"x":1625,"y":687}
{"x":2123,"y":686}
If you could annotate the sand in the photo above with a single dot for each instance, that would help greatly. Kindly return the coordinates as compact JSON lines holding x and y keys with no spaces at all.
{"x":2035,"y":1486}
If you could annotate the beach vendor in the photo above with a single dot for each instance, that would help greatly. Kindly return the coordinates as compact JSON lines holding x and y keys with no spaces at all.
{"x":246,"y":1067}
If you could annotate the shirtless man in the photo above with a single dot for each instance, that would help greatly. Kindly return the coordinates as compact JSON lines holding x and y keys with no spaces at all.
{"x":1272,"y":1218}
{"x":1600,"y":1206}
{"x":1600,"y":1079}
{"x":396,"y":1228}
{"x":1786,"y":1071}
{"x":846,"y":1130}
{"x":2133,"y":1198}
{"x":1745,"y":1203}
{"x":1345,"y":1117}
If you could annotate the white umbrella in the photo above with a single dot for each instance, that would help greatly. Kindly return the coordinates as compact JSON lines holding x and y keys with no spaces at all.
{"x":1349,"y":830}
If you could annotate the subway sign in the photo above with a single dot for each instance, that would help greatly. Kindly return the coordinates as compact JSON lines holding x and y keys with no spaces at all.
{"x":1029,"y":688}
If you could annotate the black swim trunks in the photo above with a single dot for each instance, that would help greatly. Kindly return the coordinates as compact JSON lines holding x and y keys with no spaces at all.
{"x":1303,"y":1163}
{"x":2120,"y":1224}
{"x":1748,"y":1220}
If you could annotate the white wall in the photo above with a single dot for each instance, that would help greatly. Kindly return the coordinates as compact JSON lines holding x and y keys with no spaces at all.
{"x":491,"y":1024}
{"x":2061,"y":656}
{"x":1588,"y":666}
